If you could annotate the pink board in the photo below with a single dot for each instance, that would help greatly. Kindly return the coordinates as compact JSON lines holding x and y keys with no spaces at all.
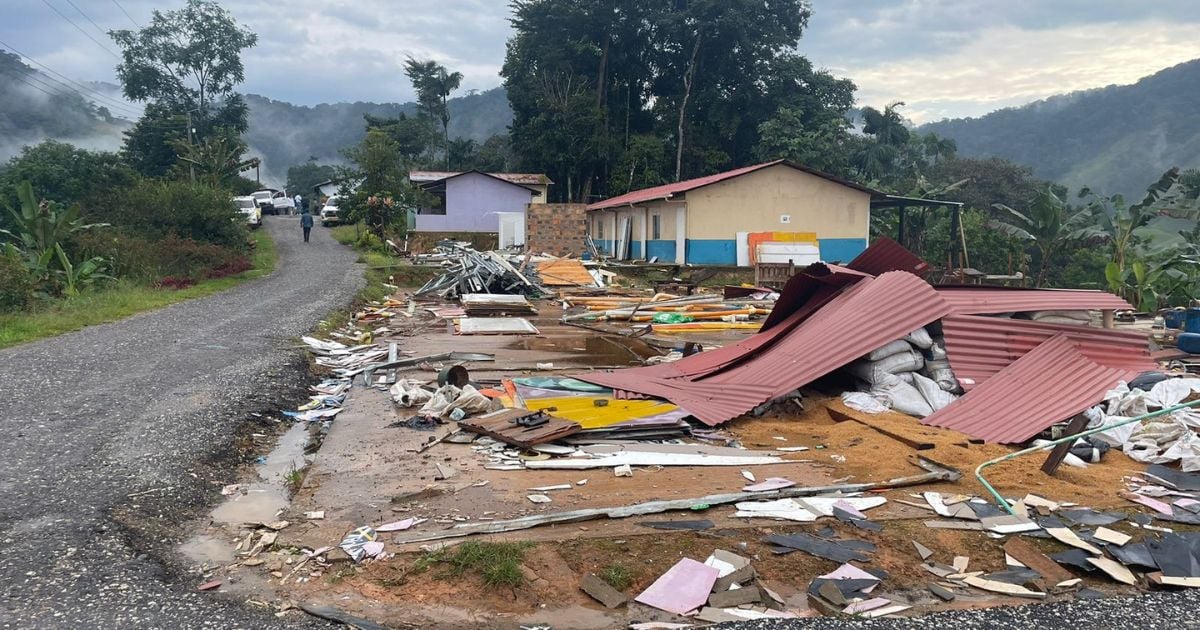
{"x":682,"y":589}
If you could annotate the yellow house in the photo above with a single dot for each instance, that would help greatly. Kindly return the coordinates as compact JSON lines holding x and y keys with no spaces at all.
{"x":771,"y":212}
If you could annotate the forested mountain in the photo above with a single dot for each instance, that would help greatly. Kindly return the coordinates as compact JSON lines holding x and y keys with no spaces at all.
{"x":1116,"y":139}
{"x":34,"y":107}
{"x":284,"y":134}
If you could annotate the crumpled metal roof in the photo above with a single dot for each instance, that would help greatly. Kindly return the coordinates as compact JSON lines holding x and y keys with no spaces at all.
{"x":1049,"y":384}
{"x":978,"y":300}
{"x":846,"y":328}
{"x":980,"y":347}
{"x":884,"y":255}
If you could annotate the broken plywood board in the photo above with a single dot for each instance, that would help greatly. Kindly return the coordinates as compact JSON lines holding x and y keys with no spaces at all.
{"x":564,"y":272}
{"x":495,"y":326}
{"x":1114,"y":569}
{"x":1112,"y":536}
{"x":683,"y":588}
{"x":1037,"y":561}
{"x":1003,"y":588}
{"x":503,"y":426}
{"x":1068,"y":537}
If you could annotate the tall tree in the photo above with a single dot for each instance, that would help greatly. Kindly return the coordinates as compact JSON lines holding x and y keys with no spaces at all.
{"x":185,"y":65}
{"x":434,"y":84}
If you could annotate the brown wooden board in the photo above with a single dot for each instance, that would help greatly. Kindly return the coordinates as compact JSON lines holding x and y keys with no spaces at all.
{"x":1077,"y":425}
{"x":1029,"y":556}
{"x":502,"y":426}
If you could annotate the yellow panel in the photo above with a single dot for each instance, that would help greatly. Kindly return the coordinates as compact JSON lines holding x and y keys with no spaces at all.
{"x":583,"y":409}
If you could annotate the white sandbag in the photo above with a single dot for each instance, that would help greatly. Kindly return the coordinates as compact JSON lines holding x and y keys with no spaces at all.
{"x":409,"y":393}
{"x":1121,"y":401}
{"x":873,"y":372}
{"x":864,"y":402}
{"x":1061,"y":316}
{"x":886,"y":350}
{"x":937,"y":351}
{"x":470,"y":401}
{"x":1117,"y":436}
{"x":439,"y":401}
{"x":919,"y":338}
{"x":1172,"y":391}
{"x":937,"y":397}
{"x":901,"y":396}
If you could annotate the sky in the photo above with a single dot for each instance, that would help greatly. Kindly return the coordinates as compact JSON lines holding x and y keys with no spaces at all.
{"x":942,"y":58}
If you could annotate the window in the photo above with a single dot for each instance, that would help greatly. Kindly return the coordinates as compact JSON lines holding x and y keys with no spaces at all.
{"x":600,"y":227}
{"x":439,"y":203}
{"x":655,"y":227}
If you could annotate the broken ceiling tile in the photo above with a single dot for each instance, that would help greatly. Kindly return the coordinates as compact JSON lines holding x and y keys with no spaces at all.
{"x":683,"y":588}
{"x":1112,"y":536}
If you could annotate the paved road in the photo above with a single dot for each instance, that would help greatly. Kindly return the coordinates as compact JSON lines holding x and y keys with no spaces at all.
{"x":145,"y":407}
{"x":1155,"y":611}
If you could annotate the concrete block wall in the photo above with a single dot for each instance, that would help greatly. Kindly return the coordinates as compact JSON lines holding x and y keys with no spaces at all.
{"x":556,"y":228}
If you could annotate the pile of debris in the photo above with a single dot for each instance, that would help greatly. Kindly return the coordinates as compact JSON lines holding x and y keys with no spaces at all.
{"x":665,"y":313}
{"x":471,"y":271}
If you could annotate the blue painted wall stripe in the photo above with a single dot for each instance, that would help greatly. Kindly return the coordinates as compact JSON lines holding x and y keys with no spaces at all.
{"x":664,"y":250}
{"x":841,"y":250}
{"x":711,"y":252}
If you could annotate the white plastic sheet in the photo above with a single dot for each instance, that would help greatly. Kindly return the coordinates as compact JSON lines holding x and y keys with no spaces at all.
{"x":864,"y":402}
{"x":1158,"y":440}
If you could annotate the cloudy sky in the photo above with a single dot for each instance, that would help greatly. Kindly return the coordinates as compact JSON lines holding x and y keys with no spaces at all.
{"x":944,"y":58}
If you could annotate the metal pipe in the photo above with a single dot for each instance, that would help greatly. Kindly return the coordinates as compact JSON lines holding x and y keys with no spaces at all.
{"x":1045,"y":447}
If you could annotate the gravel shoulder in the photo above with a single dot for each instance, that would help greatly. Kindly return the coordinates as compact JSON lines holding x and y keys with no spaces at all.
{"x":116,"y":435}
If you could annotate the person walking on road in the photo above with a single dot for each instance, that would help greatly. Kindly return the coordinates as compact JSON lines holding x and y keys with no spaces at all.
{"x":306,"y":222}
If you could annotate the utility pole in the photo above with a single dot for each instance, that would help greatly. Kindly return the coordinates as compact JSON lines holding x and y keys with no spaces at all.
{"x":191,"y":166}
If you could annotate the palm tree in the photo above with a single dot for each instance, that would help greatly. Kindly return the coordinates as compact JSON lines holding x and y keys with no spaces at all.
{"x":887,"y":126}
{"x":1048,"y":225}
{"x":938,"y":148}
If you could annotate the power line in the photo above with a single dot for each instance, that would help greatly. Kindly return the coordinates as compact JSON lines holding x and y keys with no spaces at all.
{"x":78,"y":28}
{"x":133,"y":21}
{"x":116,"y":103}
{"x":102,"y":32}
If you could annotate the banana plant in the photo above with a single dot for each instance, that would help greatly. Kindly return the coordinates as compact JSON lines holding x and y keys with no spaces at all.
{"x":1146,"y":286}
{"x":40,"y":228}
{"x":76,"y":278}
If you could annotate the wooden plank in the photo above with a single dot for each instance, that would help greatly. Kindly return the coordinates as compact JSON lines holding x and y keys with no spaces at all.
{"x":1059,"y":453}
{"x":1029,"y":556}
{"x":502,"y":426}
{"x":842,"y":416}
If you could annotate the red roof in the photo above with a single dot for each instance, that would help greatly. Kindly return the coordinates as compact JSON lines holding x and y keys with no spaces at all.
{"x":977,"y":300}
{"x":1051,"y":383}
{"x":980,"y":347}
{"x":666,"y":191}
{"x":885,"y":255}
{"x":843,"y":330}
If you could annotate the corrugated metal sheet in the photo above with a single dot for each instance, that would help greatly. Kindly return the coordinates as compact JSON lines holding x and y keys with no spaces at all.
{"x":804,"y":287}
{"x":884,"y":255}
{"x":865,"y":316}
{"x":1051,"y":383}
{"x":980,"y":347}
{"x":666,"y":191}
{"x":976,"y":300}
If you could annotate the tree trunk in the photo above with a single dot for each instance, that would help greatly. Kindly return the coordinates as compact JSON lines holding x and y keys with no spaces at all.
{"x":688,"y":80}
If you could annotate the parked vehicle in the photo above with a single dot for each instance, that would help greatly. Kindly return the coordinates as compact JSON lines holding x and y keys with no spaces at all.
{"x":329,"y":213}
{"x":273,"y":201}
{"x":249,"y":207}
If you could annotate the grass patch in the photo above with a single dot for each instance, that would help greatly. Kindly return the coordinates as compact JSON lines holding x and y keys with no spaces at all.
{"x":617,"y":575}
{"x":499,"y":564}
{"x":121,"y":299}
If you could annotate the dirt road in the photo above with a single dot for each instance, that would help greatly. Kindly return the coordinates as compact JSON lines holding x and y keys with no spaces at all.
{"x":113,"y":436}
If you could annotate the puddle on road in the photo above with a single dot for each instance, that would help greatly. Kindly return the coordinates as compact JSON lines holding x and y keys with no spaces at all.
{"x":257,"y":501}
{"x":263,"y":499}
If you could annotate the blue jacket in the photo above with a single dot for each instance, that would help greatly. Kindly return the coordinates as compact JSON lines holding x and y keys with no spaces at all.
{"x":306,"y":220}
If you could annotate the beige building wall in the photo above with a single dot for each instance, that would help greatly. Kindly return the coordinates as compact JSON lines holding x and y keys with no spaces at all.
{"x":758,"y":201}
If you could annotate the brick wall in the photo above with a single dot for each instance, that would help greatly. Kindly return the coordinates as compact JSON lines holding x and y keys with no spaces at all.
{"x":556,"y":228}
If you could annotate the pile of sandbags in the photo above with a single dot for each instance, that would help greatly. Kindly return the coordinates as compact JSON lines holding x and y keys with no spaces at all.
{"x":911,"y":375}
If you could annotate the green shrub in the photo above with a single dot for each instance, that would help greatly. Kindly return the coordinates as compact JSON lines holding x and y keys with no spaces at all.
{"x":16,"y":284}
{"x":156,"y":209}
{"x":184,"y":261}
{"x":367,"y":241}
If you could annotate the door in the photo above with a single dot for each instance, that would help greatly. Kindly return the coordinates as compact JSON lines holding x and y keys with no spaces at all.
{"x":680,"y":235}
{"x":512,"y":229}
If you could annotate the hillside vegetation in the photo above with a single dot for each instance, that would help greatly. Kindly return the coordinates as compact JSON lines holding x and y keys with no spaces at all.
{"x":1113,"y":139}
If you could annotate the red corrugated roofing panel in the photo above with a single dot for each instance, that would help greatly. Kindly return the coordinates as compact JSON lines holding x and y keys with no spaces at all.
{"x":667,"y":190}
{"x":1051,"y":383}
{"x":807,"y":288}
{"x":979,"y":347}
{"x":869,"y":314}
{"x":976,"y":300}
{"x":885,"y":255}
